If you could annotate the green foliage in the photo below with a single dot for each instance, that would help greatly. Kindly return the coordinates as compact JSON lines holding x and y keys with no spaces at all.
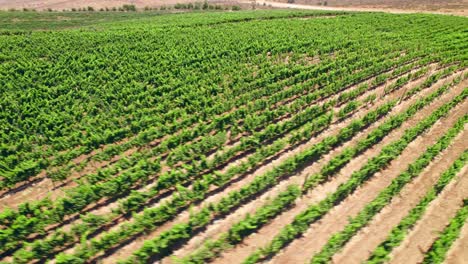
{"x":316,"y":211}
{"x":398,"y":233}
{"x":438,"y":250}
{"x":160,"y":105}
{"x":129,"y":8}
{"x":235,"y":234}
{"x":338,"y":240}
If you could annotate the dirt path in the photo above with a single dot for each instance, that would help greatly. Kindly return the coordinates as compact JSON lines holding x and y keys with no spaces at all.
{"x":358,"y":249}
{"x":458,"y":253}
{"x":435,"y":219}
{"x":320,"y":232}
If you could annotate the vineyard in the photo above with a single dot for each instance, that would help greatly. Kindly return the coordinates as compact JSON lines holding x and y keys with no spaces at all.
{"x":234,"y":137}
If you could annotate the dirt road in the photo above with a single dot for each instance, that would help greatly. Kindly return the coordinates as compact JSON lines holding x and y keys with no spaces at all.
{"x":356,"y":9}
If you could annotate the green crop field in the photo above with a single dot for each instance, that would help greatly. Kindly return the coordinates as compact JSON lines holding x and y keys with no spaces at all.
{"x":271,"y":136}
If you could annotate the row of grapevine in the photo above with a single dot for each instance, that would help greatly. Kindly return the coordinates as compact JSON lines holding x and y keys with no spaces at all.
{"x":133,"y":141}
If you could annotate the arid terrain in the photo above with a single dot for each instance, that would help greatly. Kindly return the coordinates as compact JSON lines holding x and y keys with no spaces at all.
{"x":459,"y":7}
{"x":68,"y":4}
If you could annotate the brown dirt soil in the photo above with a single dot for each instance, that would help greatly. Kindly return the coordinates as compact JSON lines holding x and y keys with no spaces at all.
{"x":358,"y":249}
{"x":457,"y":7}
{"x":458,"y":253}
{"x":435,"y":219}
{"x":67,"y":4}
{"x":337,"y":217}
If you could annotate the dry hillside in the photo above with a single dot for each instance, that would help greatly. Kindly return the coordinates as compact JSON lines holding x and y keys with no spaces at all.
{"x":458,"y":6}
